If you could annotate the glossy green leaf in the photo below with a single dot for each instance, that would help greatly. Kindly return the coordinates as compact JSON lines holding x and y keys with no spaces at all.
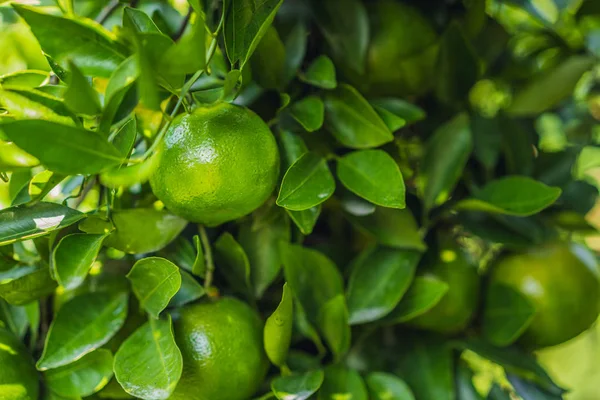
{"x":512,"y":195}
{"x":147,"y":83}
{"x":309,"y":113}
{"x":445,"y":158}
{"x":149,"y":364}
{"x":82,"y":378}
{"x":379,"y":279}
{"x":74,"y":334}
{"x":457,"y":66}
{"x":124,"y":138}
{"x":29,"y":78}
{"x":434,"y":378}
{"x":14,"y":318}
{"x":118,"y":90}
{"x":138,"y":21}
{"x":305,"y":220}
{"x":385,"y":386}
{"x":391,"y":227}
{"x":133,"y":174}
{"x":12,"y":157}
{"x":548,"y":89}
{"x":306,"y":327}
{"x":73,"y":257}
{"x":507,"y":314}
{"x":42,"y":183}
{"x":307,"y":183}
{"x":22,"y":285}
{"x":62,"y":148}
{"x":374,"y":176}
{"x":391,"y":120}
{"x":262,"y":245}
{"x":278,"y":329}
{"x":199,"y":265}
{"x":295,"y":50}
{"x":80,"y":97}
{"x":30,"y":104}
{"x":245,"y":25}
{"x":154,"y":280}
{"x":297,"y":386}
{"x":189,"y":291}
{"x":293,"y":147}
{"x":187,"y":55}
{"x":313,"y":278}
{"x":268,"y":61}
{"x":321,"y":73}
{"x":352,"y":120}
{"x":345,"y":26}
{"x":342,"y":383}
{"x":422,"y":295}
{"x":86,"y":44}
{"x":333,"y":322}
{"x":402,"y":109}
{"x":232,"y":85}
{"x":28,"y":222}
{"x":232,"y":262}
{"x":141,"y":230}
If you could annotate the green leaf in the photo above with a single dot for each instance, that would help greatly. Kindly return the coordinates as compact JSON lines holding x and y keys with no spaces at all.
{"x":345,"y":26}
{"x":333,"y":321}
{"x":391,"y":227}
{"x":22,"y":285}
{"x":422,"y":295}
{"x":62,"y":148}
{"x":402,"y":109}
{"x":313,"y":278}
{"x":80,"y":97}
{"x":233,"y":262}
{"x":188,"y":54}
{"x":199,"y":265}
{"x":506,"y":315}
{"x":74,"y":333}
{"x":498,"y":393}
{"x":379,"y":279}
{"x":457,"y":66}
{"x":433,"y":379}
{"x":41,"y":184}
{"x":391,"y":120}
{"x":305,"y":220}
{"x":307,"y":183}
{"x":141,"y":230}
{"x":309,"y":113}
{"x":30,"y":104}
{"x":127,"y":176}
{"x":150,"y":348}
{"x":262,"y":245}
{"x":124,"y":138}
{"x":88,"y":45}
{"x":295,"y":50}
{"x":232,"y":85}
{"x":245,"y":24}
{"x":73,"y":257}
{"x":445,"y":158}
{"x":298,"y":386}
{"x":548,"y":89}
{"x":374,"y":176}
{"x":189,"y":291}
{"x":352,"y":120}
{"x":293,"y":147}
{"x":12,"y":157}
{"x":306,"y":328}
{"x":29,"y":78}
{"x":342,"y":383}
{"x":512,"y":195}
{"x":82,"y":378}
{"x":385,"y":386}
{"x":321,"y":73}
{"x":278,"y":329}
{"x":28,"y":222}
{"x":118,"y":90}
{"x":268,"y":61}
{"x":154,"y":280}
{"x":138,"y":21}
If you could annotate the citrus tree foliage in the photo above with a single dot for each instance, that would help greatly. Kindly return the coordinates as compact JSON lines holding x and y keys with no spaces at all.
{"x":410,"y":133}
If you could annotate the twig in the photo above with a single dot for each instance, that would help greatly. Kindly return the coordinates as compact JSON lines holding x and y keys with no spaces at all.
{"x":107,"y":11}
{"x":210,"y":265}
{"x":183,"y":26}
{"x":83,"y":193}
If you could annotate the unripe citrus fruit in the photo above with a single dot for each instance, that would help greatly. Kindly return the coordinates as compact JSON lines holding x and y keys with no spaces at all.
{"x":222,"y":347}
{"x":217,"y":164}
{"x":562,"y":281}
{"x":456,"y":308}
{"x":402,"y":51}
{"x":18,"y":376}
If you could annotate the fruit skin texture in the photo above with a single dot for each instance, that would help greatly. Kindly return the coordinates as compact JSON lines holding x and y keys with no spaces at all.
{"x":217,"y":164}
{"x":456,"y":309}
{"x":222,"y":347}
{"x":19,"y":379}
{"x":562,"y":281}
{"x":402,"y":52}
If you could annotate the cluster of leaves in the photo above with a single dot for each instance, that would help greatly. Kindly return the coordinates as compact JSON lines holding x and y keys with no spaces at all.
{"x":92,"y":267}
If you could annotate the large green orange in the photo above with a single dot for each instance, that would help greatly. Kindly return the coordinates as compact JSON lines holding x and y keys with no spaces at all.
{"x":222,"y":347}
{"x":217,"y":164}
{"x":19,"y":379}
{"x":401,"y":54}
{"x":562,"y":281}
{"x":455,"y":310}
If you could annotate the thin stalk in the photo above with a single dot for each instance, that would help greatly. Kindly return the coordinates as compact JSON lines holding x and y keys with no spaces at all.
{"x":210,"y":264}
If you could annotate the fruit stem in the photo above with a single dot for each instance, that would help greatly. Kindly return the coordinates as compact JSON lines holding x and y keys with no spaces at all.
{"x":210,"y":265}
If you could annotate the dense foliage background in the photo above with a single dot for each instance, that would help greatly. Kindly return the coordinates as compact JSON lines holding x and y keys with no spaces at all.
{"x":489,"y":135}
